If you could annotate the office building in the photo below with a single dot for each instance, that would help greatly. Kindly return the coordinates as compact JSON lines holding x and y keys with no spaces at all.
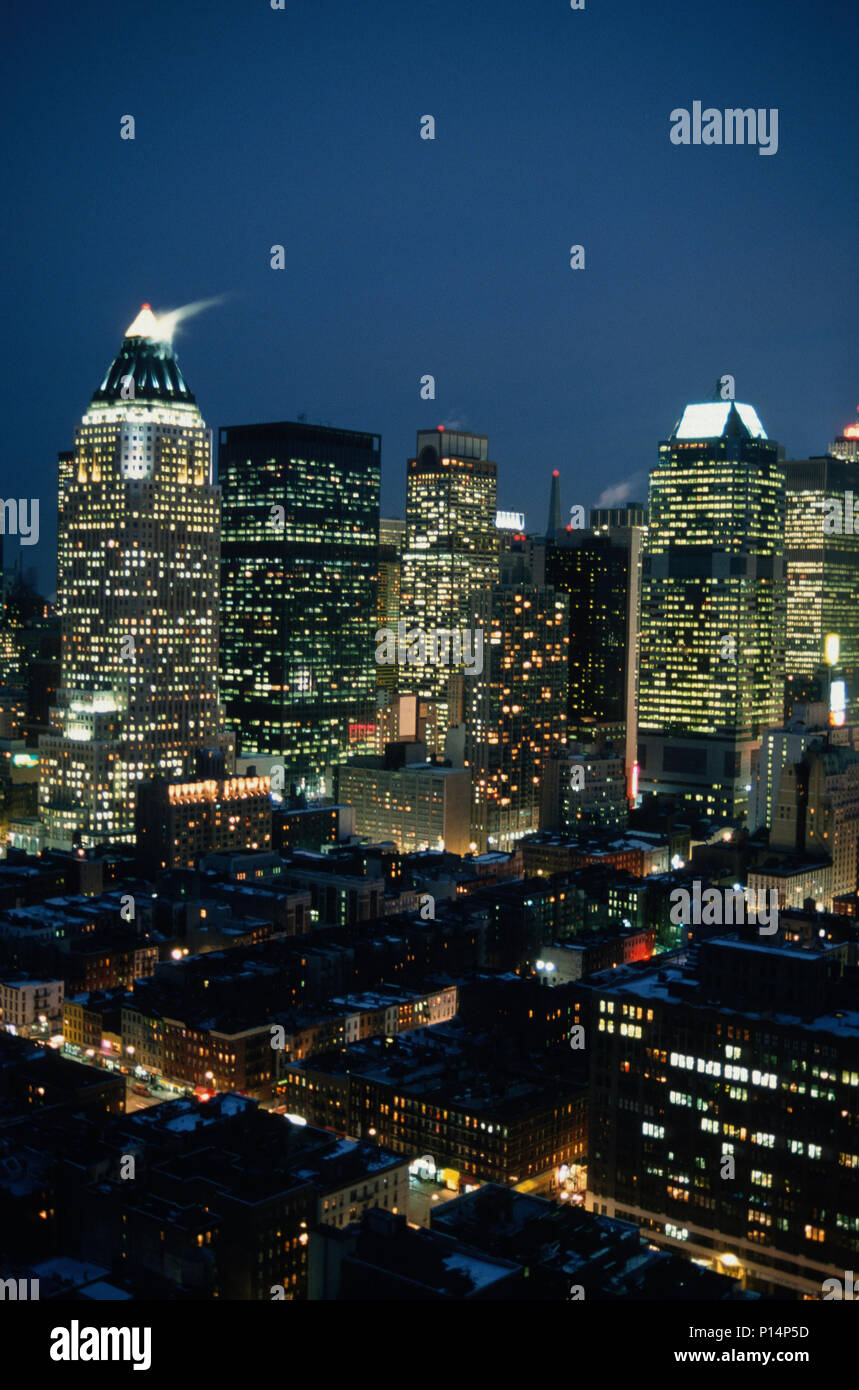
{"x":179,"y":821}
{"x":592,"y":788}
{"x":600,"y":571}
{"x":516,"y":707}
{"x":722,"y":1109}
{"x":451,"y":544}
{"x":299,"y":591}
{"x":415,"y":803}
{"x":138,"y":595}
{"x":713,"y":608}
{"x":816,"y":812}
{"x":807,"y":726}
{"x":392,"y":532}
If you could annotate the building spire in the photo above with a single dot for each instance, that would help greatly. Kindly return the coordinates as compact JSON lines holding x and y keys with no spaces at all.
{"x":554,"y":526}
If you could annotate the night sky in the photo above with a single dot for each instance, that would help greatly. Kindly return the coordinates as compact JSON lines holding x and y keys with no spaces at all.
{"x":450,"y":257}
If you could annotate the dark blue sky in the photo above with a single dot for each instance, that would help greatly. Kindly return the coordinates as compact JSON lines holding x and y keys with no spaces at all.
{"x":451,"y":257}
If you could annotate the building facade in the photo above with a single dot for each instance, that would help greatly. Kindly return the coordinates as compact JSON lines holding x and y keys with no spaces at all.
{"x":178,"y":821}
{"x":516,"y":707}
{"x":600,"y":571}
{"x":713,"y":608}
{"x":822,"y":556}
{"x":719,"y":1127}
{"x":299,"y":591}
{"x":451,"y":544}
{"x":138,"y":596}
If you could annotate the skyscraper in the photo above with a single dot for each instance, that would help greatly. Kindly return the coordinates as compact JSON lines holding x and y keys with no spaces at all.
{"x":515,"y":708}
{"x":451,"y":539}
{"x":713,"y":607}
{"x":600,"y":571}
{"x":138,"y":594}
{"x":299,"y":591}
{"x":391,"y":536}
{"x":822,"y":573}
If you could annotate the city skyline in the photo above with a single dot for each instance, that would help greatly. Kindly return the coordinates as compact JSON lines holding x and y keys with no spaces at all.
{"x":429,"y":672}
{"x":620,"y":493}
{"x":561,"y":125}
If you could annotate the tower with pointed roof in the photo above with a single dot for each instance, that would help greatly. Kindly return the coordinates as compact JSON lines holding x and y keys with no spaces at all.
{"x":138,"y":592}
{"x":712,"y":655}
{"x":554,"y":525}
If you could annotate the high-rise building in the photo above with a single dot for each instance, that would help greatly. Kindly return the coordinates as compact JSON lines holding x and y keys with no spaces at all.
{"x":713,"y":608}
{"x":816,"y":810}
{"x":138,"y":595}
{"x":516,"y":706}
{"x":452,"y":542}
{"x":600,"y":570}
{"x":299,"y":591}
{"x":392,"y":532}
{"x":66,"y":472}
{"x":822,"y":571}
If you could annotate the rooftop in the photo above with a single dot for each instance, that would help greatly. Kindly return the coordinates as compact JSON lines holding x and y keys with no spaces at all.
{"x":719,"y":420}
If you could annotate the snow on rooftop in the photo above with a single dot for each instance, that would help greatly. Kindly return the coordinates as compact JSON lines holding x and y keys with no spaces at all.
{"x":479,"y":1271}
{"x":100,"y":1292}
{"x":233,"y":1105}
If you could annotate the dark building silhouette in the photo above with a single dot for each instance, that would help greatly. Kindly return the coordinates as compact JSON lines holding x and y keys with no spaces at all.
{"x":300,"y":537}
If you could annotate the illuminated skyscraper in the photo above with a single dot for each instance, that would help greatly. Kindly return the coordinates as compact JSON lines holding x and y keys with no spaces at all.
{"x":138,"y":595}
{"x":391,"y":536}
{"x":452,"y":543}
{"x":822,"y":573}
{"x":516,"y":707}
{"x":299,"y":592}
{"x":713,"y":607}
